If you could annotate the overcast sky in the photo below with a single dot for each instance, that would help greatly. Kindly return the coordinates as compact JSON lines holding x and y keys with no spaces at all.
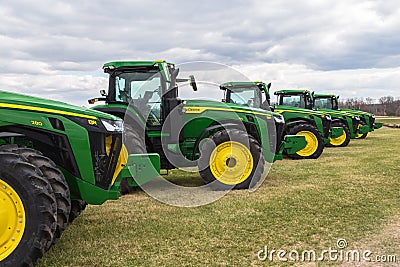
{"x":56,"y":49}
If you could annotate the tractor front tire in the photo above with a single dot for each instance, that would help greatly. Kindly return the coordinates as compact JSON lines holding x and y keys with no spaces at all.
{"x":362,"y":136}
{"x":342,"y":140}
{"x":57,"y":181}
{"x":135,"y":144}
{"x":28,"y":211}
{"x":231,"y":159}
{"x":315,"y":142}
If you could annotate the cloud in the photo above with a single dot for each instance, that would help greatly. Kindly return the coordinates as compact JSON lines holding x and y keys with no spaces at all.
{"x":349,"y":46}
{"x":361,"y":83}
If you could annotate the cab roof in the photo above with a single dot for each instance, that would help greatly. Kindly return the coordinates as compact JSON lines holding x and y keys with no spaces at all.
{"x":324,"y":95}
{"x":244,"y":84}
{"x":119,"y":64}
{"x":292,"y":91}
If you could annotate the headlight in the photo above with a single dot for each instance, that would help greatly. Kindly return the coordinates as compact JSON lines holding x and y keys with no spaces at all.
{"x":113,"y":126}
{"x":373,"y":116}
{"x":279,"y":119}
{"x":357,"y":118}
{"x":328,"y":117}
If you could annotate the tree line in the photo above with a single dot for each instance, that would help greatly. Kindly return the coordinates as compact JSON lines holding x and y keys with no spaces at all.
{"x":386,"y":106}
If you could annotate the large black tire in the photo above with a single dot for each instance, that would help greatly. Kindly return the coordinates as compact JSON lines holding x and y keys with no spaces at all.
{"x":362,"y":136}
{"x":135,"y":144}
{"x":77,"y":206}
{"x":342,"y":140}
{"x":57,"y":181}
{"x":315,"y":142}
{"x":38,"y":210}
{"x":215,"y":165}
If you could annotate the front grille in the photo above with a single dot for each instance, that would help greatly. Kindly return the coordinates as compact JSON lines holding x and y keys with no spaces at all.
{"x":326,"y":124}
{"x":105,"y":149}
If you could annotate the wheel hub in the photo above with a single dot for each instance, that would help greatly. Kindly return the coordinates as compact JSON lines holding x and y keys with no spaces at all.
{"x":231,"y":163}
{"x":12,"y":220}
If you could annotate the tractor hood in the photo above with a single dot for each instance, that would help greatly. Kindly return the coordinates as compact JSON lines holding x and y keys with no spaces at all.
{"x":356,"y":112}
{"x":336,"y":112}
{"x":203,"y":105}
{"x":25,"y":102}
{"x":280,"y":108}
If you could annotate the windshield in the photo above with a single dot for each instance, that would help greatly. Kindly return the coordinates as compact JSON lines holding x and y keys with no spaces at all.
{"x":142,"y":88}
{"x":249,"y":96}
{"x":323,"y":103}
{"x":292,"y":100}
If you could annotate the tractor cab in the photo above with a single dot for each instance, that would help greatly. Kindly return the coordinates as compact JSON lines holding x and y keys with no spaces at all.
{"x":325,"y":101}
{"x":295,"y":98}
{"x":251,"y":94}
{"x":149,"y":87}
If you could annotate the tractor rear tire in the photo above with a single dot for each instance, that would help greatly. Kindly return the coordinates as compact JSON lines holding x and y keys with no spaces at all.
{"x":231,"y":159}
{"x":362,"y":136}
{"x":28,"y":211}
{"x":57,"y":182}
{"x":135,"y":145}
{"x":315,"y":142}
{"x":342,"y":140}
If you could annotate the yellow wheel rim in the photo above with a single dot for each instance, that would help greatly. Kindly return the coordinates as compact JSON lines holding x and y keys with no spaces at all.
{"x":12,"y":220}
{"x":312,"y":144}
{"x":231,"y":163}
{"x":339,"y":140}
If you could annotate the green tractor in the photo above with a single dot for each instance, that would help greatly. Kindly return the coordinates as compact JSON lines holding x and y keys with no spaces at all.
{"x":314,"y":125}
{"x":228,"y":143}
{"x":349,"y":122}
{"x":366,"y":124}
{"x":55,"y":159}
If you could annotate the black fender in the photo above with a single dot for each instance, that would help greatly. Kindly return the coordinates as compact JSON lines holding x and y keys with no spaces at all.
{"x":296,"y":122}
{"x":220,"y":125}
{"x":10,"y":134}
{"x":339,"y":120}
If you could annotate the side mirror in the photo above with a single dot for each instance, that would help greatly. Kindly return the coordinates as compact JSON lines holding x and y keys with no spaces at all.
{"x":103,"y":93}
{"x":193,"y":83}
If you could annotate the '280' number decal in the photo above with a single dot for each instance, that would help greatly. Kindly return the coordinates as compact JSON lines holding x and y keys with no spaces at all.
{"x":37,"y":123}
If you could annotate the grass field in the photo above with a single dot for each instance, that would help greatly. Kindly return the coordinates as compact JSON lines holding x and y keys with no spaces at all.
{"x":351,"y":193}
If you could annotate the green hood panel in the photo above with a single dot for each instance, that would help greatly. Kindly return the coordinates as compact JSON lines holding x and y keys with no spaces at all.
{"x":37,"y":104}
{"x":223,"y":105}
{"x":336,"y":113}
{"x":282,"y":108}
{"x":357,"y":112}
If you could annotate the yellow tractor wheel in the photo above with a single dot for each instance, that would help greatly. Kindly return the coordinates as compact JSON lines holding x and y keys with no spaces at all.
{"x":231,"y":159}
{"x":315,"y":142}
{"x":28,"y":211}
